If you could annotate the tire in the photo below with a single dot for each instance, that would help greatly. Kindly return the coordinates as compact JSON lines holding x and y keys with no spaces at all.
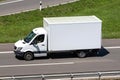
{"x":28,"y":56}
{"x":82,"y":54}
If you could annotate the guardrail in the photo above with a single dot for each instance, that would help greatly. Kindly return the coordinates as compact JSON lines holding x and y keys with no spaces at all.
{"x":68,"y":76}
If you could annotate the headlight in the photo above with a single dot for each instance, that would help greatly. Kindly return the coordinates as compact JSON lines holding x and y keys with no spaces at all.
{"x":19,"y":48}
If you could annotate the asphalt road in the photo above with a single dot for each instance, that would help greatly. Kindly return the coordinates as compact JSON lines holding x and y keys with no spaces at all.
{"x":17,"y":6}
{"x":109,"y":59}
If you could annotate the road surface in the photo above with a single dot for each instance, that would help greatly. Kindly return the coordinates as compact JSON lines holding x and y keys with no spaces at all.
{"x":17,"y":6}
{"x":108,"y":59}
{"x":58,"y":63}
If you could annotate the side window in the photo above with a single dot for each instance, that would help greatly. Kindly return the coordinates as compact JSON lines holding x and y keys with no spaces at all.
{"x":39,"y":39}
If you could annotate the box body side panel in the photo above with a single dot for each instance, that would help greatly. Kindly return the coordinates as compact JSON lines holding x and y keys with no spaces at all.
{"x":74,"y":36}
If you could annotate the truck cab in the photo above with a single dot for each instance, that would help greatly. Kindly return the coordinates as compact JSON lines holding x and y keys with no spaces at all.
{"x":33,"y":45}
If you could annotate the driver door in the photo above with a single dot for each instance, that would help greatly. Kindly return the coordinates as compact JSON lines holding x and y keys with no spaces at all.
{"x":40,"y":45}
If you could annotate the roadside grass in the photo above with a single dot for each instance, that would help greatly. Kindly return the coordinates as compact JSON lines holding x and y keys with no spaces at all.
{"x":17,"y":26}
{"x":1,"y":0}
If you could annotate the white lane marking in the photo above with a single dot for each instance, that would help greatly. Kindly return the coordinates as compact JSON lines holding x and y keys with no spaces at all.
{"x":94,"y":61}
{"x":6,"y":52}
{"x":30,"y":65}
{"x":114,"y":47}
{"x":11,"y":2}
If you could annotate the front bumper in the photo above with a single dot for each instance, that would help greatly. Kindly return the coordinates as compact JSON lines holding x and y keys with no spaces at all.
{"x":18,"y":53}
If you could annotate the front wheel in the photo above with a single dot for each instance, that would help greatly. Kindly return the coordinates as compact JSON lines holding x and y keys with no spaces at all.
{"x":82,"y":54}
{"x":28,"y":56}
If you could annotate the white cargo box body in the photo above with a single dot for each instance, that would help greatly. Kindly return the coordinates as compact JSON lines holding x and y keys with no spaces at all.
{"x":73,"y":33}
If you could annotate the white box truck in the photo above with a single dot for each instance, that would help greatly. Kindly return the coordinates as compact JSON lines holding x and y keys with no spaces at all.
{"x":80,"y":35}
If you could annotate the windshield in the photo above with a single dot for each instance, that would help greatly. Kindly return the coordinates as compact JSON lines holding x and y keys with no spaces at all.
{"x":29,"y":37}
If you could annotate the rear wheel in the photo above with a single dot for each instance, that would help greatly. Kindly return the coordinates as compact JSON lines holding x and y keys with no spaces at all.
{"x":82,"y":54}
{"x":28,"y":56}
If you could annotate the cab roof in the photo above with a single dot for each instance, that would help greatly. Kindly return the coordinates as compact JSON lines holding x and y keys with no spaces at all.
{"x":39,"y":31}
